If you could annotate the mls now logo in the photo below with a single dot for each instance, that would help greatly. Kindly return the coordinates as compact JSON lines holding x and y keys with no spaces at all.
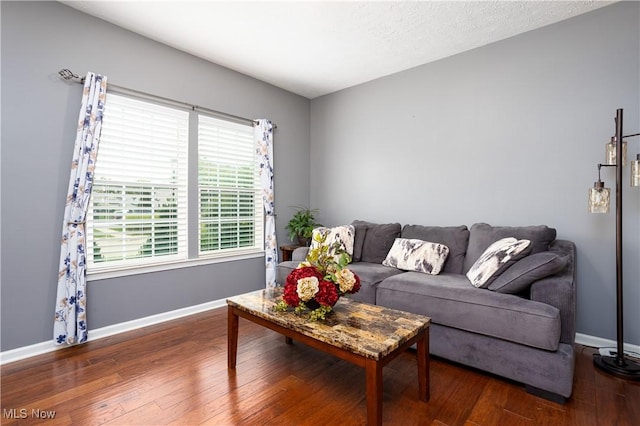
{"x":23,"y":413}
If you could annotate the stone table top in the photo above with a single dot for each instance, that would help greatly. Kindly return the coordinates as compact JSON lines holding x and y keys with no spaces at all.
{"x":367,"y":330}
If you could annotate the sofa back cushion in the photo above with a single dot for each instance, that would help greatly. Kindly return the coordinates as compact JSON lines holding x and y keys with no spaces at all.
{"x":373,"y":241}
{"x":483,"y":235}
{"x":454,"y":237}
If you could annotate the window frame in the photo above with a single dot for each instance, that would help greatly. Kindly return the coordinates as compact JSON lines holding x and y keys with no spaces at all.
{"x":193,"y":255}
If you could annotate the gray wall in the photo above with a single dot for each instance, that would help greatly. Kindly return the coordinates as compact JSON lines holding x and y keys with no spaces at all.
{"x":508,"y":134}
{"x":39,"y":112}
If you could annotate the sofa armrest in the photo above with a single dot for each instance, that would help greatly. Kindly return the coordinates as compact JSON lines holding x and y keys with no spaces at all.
{"x":560,"y":290}
{"x":300,"y":254}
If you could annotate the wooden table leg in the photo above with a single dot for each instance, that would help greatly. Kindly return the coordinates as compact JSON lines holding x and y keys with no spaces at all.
{"x":374,"y":392}
{"x":232,"y":338}
{"x":423,"y":366}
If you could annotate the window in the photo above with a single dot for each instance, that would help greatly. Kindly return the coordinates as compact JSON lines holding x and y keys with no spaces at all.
{"x":228,"y":187}
{"x":138,"y":214}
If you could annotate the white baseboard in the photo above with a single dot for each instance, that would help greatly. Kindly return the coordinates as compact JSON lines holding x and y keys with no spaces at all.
{"x":598,"y":342}
{"x":99,"y":333}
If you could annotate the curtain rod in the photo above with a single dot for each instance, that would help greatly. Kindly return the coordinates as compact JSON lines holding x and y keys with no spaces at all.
{"x":67,"y":74}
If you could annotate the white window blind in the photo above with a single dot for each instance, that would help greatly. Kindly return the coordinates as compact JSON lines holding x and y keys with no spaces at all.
{"x":138,"y":210}
{"x":231,"y":211}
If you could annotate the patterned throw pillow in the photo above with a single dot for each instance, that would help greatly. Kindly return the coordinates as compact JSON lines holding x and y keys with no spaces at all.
{"x":417,"y":255}
{"x":496,"y":259}
{"x":344,"y":235}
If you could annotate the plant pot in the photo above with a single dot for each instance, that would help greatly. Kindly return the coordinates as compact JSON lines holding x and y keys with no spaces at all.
{"x":303,"y":241}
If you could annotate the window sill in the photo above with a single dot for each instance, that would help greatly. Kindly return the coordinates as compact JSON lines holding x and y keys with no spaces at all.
{"x":166,"y":266}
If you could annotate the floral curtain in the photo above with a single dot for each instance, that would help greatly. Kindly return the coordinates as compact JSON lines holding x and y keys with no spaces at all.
{"x":263,"y":135}
{"x":70,"y":323}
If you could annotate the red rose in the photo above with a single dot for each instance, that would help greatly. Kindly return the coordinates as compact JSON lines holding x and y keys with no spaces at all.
{"x":328,"y":294}
{"x":290,"y":295}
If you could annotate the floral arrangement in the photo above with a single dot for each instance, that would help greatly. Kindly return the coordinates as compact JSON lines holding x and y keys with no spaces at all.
{"x":318,"y":282}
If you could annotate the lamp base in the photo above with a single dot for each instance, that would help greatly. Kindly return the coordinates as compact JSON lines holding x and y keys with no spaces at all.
{"x":624,"y":367}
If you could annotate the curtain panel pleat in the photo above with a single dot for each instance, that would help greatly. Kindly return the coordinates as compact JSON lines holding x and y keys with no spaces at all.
{"x":70,"y":322}
{"x":263,"y":131}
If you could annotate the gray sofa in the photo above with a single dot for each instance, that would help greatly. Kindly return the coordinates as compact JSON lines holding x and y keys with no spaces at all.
{"x":522,"y":327}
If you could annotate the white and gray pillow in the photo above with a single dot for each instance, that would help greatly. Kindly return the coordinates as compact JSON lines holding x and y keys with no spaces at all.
{"x":417,"y":255}
{"x":496,"y":259}
{"x":343,"y":235}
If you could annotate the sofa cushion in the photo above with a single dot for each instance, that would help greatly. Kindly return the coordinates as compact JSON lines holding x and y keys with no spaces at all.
{"x":358,"y":240}
{"x":417,"y":255}
{"x":342,"y":235}
{"x":483,"y":235}
{"x":370,"y":274}
{"x":450,"y":301}
{"x":496,"y":259}
{"x":377,"y":240}
{"x":525,"y":271}
{"x":454,"y":237}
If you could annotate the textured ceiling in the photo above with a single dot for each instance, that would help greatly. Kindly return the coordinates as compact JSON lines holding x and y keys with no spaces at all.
{"x":313,"y":48}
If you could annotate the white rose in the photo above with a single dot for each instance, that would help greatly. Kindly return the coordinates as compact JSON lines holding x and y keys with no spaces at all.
{"x":346,"y":280}
{"x":307,"y":288}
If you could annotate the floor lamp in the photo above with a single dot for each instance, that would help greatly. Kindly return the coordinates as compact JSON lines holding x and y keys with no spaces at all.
{"x":599,"y":196}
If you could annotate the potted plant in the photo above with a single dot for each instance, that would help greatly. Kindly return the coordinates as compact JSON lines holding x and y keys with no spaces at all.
{"x":301,"y":225}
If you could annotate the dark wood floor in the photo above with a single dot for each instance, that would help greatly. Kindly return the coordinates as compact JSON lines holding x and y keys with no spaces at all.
{"x":176,"y":373}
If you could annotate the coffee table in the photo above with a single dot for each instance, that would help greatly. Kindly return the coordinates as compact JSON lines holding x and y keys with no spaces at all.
{"x":367,"y":335}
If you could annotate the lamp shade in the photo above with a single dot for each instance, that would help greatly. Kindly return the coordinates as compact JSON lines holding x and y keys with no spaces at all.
{"x":635,"y":171}
{"x":610,"y":156}
{"x":599,"y":197}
